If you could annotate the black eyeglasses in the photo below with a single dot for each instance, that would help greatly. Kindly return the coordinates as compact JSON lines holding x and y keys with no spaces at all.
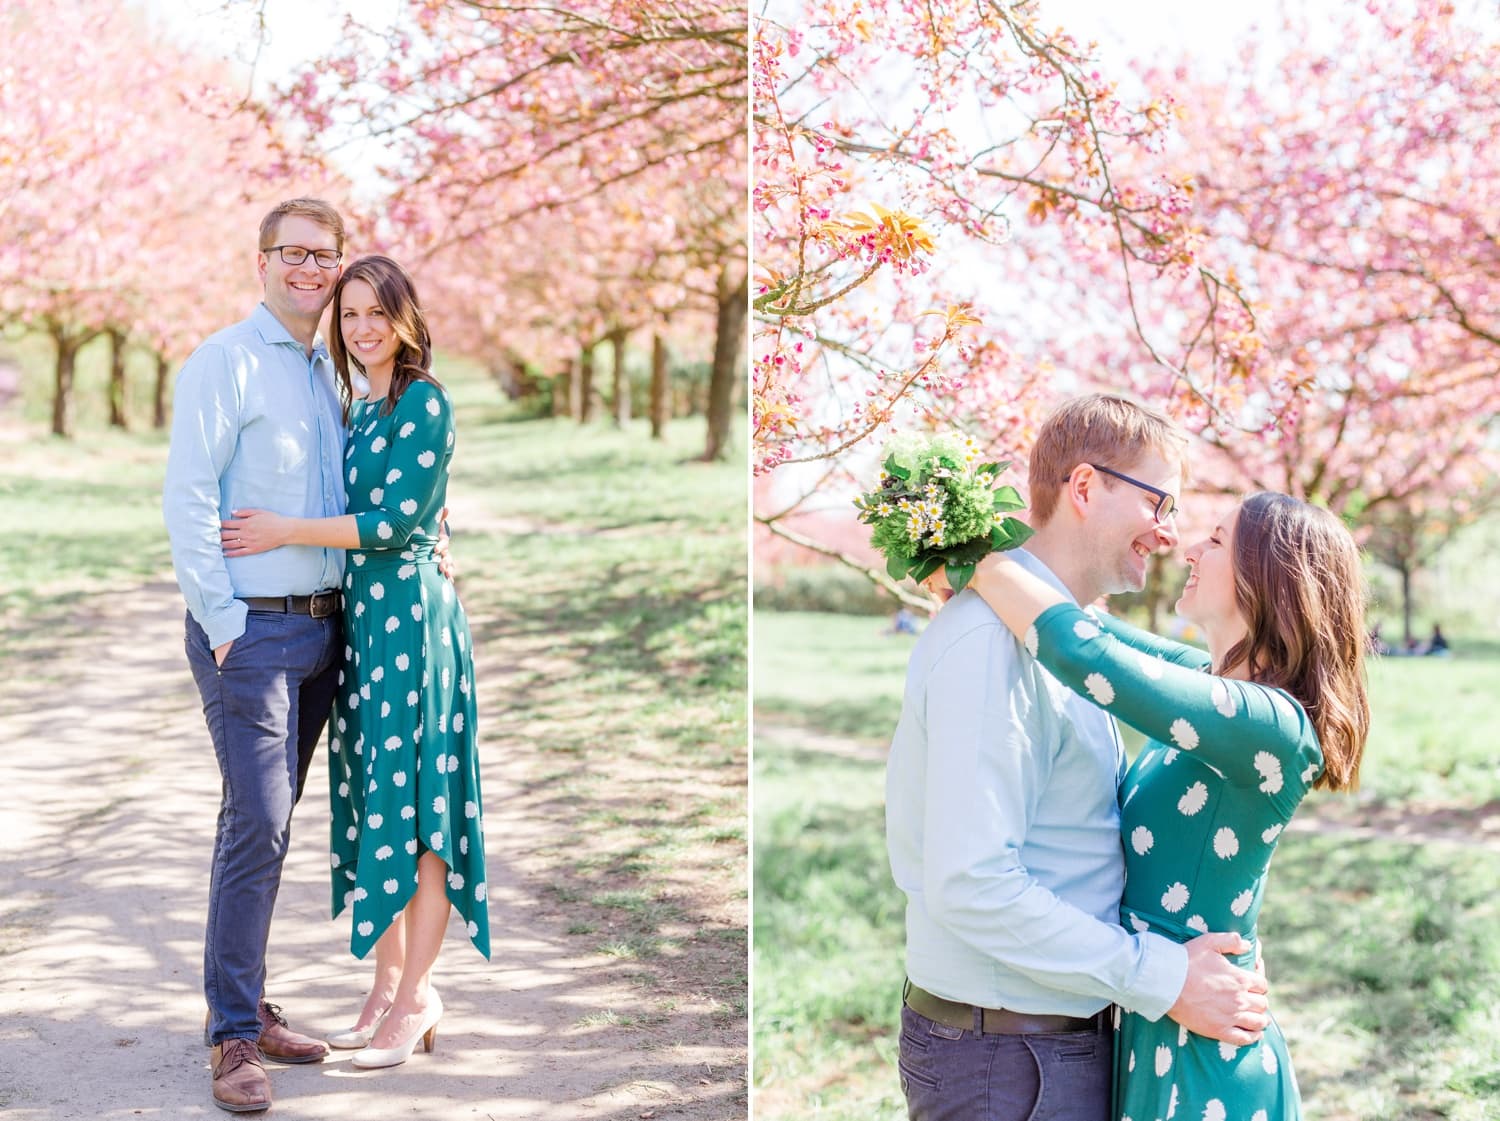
{"x":295,"y":255}
{"x":1166,"y":505}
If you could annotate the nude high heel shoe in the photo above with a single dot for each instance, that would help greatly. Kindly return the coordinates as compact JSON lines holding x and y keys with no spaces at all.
{"x":355,"y":1038}
{"x":374,"y":1057}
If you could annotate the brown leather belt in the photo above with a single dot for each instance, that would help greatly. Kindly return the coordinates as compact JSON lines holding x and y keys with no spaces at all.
{"x":994,"y":1021}
{"x":319,"y":606}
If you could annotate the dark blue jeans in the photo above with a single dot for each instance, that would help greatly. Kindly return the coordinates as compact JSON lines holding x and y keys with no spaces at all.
{"x":948,"y":1074}
{"x":266,"y":708}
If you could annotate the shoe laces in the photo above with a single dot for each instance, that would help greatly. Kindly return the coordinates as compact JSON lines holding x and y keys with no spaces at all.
{"x":273,"y":1011}
{"x":235,"y":1054}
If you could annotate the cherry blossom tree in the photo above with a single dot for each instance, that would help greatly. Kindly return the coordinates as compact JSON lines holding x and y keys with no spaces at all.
{"x":590,"y":158}
{"x":121,"y":162}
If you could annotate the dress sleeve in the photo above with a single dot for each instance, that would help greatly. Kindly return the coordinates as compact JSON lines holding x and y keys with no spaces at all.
{"x":415,"y":464}
{"x":1179,"y":653}
{"x":1253,"y":735}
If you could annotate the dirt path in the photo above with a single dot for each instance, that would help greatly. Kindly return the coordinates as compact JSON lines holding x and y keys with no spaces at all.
{"x":108,"y":791}
{"x":1413,"y":822}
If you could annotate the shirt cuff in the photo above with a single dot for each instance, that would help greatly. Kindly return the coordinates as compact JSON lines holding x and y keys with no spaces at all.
{"x":1163,"y":974}
{"x":226,"y":624}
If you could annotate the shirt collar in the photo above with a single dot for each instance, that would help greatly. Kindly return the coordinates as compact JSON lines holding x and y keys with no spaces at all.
{"x":272,"y":331}
{"x":1033,"y":564}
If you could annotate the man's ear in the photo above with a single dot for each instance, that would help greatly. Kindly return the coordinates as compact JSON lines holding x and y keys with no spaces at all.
{"x":1078,"y":491}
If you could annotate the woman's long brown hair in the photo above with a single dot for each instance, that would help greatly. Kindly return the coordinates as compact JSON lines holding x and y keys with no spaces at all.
{"x":1299,"y":584}
{"x":397,"y":297}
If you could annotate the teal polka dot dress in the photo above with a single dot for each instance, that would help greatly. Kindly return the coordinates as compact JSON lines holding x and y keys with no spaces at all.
{"x":403,"y":771}
{"x":1202,"y":808}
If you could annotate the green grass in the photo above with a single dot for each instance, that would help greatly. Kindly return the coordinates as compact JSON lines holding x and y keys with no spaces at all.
{"x":1384,"y":956}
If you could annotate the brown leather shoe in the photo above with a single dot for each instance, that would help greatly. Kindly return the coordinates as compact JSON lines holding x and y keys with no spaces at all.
{"x":241,"y":1084}
{"x":281,"y":1043}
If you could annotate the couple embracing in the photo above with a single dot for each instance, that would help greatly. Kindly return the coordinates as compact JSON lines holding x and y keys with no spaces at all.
{"x":1081,"y":938}
{"x":304,"y":497}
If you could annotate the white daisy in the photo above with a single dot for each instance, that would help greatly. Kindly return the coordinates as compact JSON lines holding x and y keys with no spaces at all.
{"x":1227,"y":1051}
{"x":1268,"y":1060}
{"x":377,"y":495}
{"x":384,"y":531}
{"x":416,"y":612}
{"x":406,"y":572}
{"x":411,"y":847}
{"x":384,"y":852}
{"x":1214,"y":1110}
{"x":471,"y":809}
{"x":406,"y":430}
{"x":409,"y":507}
{"x":432,"y":406}
{"x":391,"y":624}
{"x":377,"y":590}
{"x":455,"y":881}
{"x":1150,"y":666}
{"x":366,"y":929}
{"x":1174,"y":898}
{"x":377,"y":444}
{"x":1226,"y":844}
{"x":481,"y":891}
{"x":1241,"y":902}
{"x":402,"y":661}
{"x":439,"y":804}
{"x":408,"y":812}
{"x":458,"y":722}
{"x":427,"y":458}
{"x":375,"y":821}
{"x":1193,"y":800}
{"x":1099,"y":688}
{"x":1184,"y":734}
{"x":392,"y":475}
{"x":1141,"y":840}
{"x":1223,"y":699}
{"x":1163,"y":1060}
{"x":1270,"y":771}
{"x":1272,"y":833}
{"x":1085,"y":630}
{"x":1198,"y":923}
{"x":399,"y":778}
{"x":391,"y":887}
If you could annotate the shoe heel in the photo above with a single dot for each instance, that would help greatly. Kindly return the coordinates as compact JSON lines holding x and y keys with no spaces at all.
{"x":429,"y":1041}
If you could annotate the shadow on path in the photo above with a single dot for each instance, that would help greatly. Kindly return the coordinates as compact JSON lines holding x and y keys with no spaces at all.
{"x":110,"y":792}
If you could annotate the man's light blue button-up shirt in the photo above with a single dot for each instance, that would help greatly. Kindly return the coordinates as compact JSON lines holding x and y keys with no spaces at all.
{"x":256,"y":423}
{"x":1003,"y":828}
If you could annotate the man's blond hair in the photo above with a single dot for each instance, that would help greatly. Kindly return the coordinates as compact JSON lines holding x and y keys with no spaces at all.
{"x":1102,"y":429}
{"x":316,"y":209}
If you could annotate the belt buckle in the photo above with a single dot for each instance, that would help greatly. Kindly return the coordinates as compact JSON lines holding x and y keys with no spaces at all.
{"x":323,"y":604}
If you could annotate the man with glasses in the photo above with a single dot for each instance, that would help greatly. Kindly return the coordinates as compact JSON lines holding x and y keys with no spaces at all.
{"x":1003,"y":825}
{"x":258,"y":423}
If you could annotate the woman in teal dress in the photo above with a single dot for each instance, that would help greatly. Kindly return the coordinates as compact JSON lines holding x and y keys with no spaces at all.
{"x":1238,"y":735}
{"x":407,"y":828}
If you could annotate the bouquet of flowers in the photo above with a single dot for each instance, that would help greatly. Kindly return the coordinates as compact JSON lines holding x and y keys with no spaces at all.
{"x":936,"y":507}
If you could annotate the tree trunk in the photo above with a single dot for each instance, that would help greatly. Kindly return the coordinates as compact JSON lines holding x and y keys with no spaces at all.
{"x":729,"y":342}
{"x":586,"y":384}
{"x":1406,"y":634}
{"x":62,"y":396}
{"x":621,"y":380}
{"x":1155,"y":591}
{"x":562,"y":389}
{"x":660,"y":398}
{"x":574,"y":373}
{"x":159,"y":396}
{"x":116,"y":378}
